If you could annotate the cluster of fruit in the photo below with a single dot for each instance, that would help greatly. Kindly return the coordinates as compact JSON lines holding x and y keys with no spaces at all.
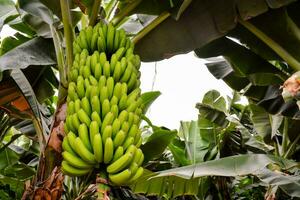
{"x":104,"y":107}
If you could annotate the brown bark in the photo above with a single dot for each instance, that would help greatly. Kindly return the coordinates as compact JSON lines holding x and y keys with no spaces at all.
{"x":48,"y":183}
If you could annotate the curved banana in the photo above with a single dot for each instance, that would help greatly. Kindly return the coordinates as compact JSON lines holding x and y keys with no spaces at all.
{"x":72,"y":171}
{"x":120,"y":178}
{"x":119,"y":164}
{"x":108,"y":150}
{"x":98,"y":148}
{"x":83,"y":152}
{"x":74,"y":161}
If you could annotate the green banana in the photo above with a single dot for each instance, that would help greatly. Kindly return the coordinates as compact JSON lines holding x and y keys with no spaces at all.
{"x":108,"y":150}
{"x":94,"y":130}
{"x":116,"y":40}
{"x":114,"y":109}
{"x":94,"y":91}
{"x":110,"y":38}
{"x":98,"y":148}
{"x":119,"y":164}
{"x":80,"y":88}
{"x":86,"y":72}
{"x":75,"y":161}
{"x":93,"y":81}
{"x":133,"y":130}
{"x":66,"y":146}
{"x":96,"y":117}
{"x":106,"y":69}
{"x":71,"y":108}
{"x":132,"y":82}
{"x":119,"y":53}
{"x":83,"y":117}
{"x":70,"y":124}
{"x":102,"y":82}
{"x":114,"y":101}
{"x":96,"y":105}
{"x":110,"y":86}
{"x":123,"y":102}
{"x":119,"y":138}
{"x":125,"y":126}
{"x":123,"y":116}
{"x":94,"y":41}
{"x":128,"y":71}
{"x":118,"y":153}
{"x":105,"y":107}
{"x":108,"y":120}
{"x":84,"y":136}
{"x":116,"y":127}
{"x":129,"y":141}
{"x":89,"y":35}
{"x":118,"y":90}
{"x":137,"y":175}
{"x":85,"y":105}
{"x":113,"y":62}
{"x":75,"y":120}
{"x":117,"y":71}
{"x":107,"y":132}
{"x":103,"y":93}
{"x":72,"y":171}
{"x":133,"y":167}
{"x":83,"y":152}
{"x":101,"y":44}
{"x":71,"y":139}
{"x":130,"y":118}
{"x":120,"y":178}
{"x":102,"y":58}
{"x":98,"y":70}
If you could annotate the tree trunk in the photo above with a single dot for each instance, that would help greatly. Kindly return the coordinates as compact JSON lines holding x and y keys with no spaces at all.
{"x":48,"y":183}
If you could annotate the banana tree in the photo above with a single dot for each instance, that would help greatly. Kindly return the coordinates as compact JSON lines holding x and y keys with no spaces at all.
{"x":223,"y":153}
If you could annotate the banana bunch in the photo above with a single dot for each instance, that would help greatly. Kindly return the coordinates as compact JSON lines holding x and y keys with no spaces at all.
{"x":104,"y":107}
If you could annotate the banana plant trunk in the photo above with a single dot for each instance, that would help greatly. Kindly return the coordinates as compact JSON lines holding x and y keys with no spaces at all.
{"x":48,"y":183}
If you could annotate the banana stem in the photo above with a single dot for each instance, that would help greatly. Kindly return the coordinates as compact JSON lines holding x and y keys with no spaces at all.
{"x":59,"y":57}
{"x":151,"y":26}
{"x":272,"y":44}
{"x":68,"y":34}
{"x":124,"y":12}
{"x":285,"y":136}
{"x":103,"y":188}
{"x":94,"y":14}
{"x":291,"y":148}
{"x":110,"y":7}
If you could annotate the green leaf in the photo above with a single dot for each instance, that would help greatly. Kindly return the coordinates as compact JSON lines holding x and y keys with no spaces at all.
{"x":261,"y":122}
{"x":213,"y":115}
{"x":179,"y":181}
{"x":36,"y":8}
{"x":170,"y":187}
{"x":223,"y":70}
{"x":159,"y":139}
{"x":215,"y":100}
{"x":242,"y":60}
{"x":8,"y":157}
{"x":238,"y":165}
{"x":11,"y":42}
{"x":217,"y":16}
{"x":7,"y":9}
{"x":37,"y":51}
{"x":148,"y":98}
{"x":177,"y":148}
{"x":288,"y":183}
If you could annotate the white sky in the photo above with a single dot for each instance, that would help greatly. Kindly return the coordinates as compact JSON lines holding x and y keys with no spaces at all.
{"x":182,"y":80}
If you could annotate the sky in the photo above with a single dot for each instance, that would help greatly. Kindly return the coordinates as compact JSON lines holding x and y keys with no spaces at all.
{"x":182,"y":80}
